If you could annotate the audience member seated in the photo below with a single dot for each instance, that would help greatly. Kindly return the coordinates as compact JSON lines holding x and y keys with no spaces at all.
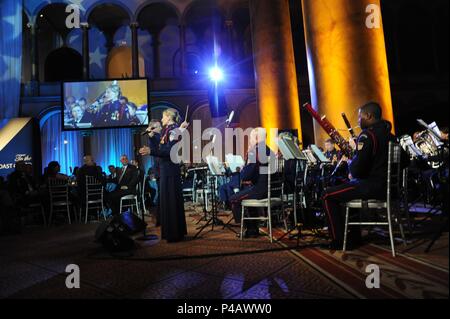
{"x":88,"y":169}
{"x":75,"y":171}
{"x":112,"y":174}
{"x":9,"y":214}
{"x":53,"y":171}
{"x":127,"y":179}
{"x":22,"y":188}
{"x":135,"y":163}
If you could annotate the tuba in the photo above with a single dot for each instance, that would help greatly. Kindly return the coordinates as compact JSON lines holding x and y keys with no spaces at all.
{"x":426,"y":143}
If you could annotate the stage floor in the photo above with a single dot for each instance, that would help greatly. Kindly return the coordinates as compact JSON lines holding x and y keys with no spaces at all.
{"x":218,"y":265}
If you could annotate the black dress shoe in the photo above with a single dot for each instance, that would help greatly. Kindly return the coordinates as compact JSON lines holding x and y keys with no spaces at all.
{"x":354,"y":240}
{"x":333,"y":245}
{"x":252,"y":234}
{"x":249,"y":234}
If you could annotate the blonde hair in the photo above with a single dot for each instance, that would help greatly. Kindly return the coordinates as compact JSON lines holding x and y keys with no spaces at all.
{"x":173,"y":114}
{"x":115,"y":89}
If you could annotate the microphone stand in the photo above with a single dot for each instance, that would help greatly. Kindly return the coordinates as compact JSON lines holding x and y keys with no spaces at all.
{"x":145,"y":236}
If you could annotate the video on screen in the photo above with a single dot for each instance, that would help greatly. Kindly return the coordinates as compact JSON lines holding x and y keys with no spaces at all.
{"x":105,"y":104}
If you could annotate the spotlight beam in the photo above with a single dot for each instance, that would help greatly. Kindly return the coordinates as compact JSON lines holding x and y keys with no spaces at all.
{"x":216,"y":74}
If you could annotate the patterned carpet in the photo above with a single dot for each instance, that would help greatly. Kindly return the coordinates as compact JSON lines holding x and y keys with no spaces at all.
{"x":217,"y":265}
{"x":405,"y":276}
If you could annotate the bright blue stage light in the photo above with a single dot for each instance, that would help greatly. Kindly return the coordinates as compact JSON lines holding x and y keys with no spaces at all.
{"x":216,"y":74}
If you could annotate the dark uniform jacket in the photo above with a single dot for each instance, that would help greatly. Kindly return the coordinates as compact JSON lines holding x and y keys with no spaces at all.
{"x":108,"y":115}
{"x":154,"y":145}
{"x":333,"y":154}
{"x":251,"y":171}
{"x":369,"y":166}
{"x":166,"y":166}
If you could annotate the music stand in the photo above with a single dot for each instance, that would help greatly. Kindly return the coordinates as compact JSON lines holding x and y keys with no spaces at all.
{"x":319,"y":155}
{"x":291,"y":151}
{"x":310,"y":158}
{"x":215,"y":171}
{"x":204,"y":179}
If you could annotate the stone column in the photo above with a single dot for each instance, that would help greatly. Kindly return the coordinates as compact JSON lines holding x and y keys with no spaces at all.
{"x":34,"y":59}
{"x":109,"y":35}
{"x":87,"y":142}
{"x":230,"y":31}
{"x":275,"y":72}
{"x":134,"y":49}
{"x":346,"y":59}
{"x":182,"y":29}
{"x":156,"y":57}
{"x":85,"y":50}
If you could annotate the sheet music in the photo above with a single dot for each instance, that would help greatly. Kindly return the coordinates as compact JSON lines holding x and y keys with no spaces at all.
{"x":215,"y":167}
{"x":289,"y":149}
{"x":234,"y":161}
{"x":310,"y":157}
{"x":434,"y":127}
{"x":317,"y":152}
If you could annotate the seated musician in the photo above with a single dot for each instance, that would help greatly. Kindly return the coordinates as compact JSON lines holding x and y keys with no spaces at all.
{"x":331,"y":152}
{"x":228,"y":189}
{"x":338,"y":161}
{"x":187,"y":174}
{"x":444,"y":134}
{"x":254,"y":184}
{"x":368,"y":173}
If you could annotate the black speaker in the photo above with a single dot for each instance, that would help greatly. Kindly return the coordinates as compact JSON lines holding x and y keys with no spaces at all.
{"x":132,"y":223}
{"x":114,"y":234}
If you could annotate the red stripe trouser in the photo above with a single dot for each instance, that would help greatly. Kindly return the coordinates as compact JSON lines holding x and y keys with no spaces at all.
{"x":332,"y":204}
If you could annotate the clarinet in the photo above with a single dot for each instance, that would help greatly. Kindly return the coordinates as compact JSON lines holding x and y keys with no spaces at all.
{"x":330,"y":130}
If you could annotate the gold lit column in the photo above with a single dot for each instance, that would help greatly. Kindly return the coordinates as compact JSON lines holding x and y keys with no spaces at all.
{"x":346,"y":59}
{"x":275,"y":73}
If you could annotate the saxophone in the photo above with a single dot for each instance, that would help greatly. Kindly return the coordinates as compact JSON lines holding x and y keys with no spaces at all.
{"x":331,"y":131}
